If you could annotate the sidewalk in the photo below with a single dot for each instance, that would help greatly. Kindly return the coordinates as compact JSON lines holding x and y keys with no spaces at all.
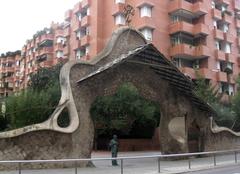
{"x":138,"y":166}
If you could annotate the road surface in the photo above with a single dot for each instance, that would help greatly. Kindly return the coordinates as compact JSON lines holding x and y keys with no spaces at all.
{"x":224,"y":170}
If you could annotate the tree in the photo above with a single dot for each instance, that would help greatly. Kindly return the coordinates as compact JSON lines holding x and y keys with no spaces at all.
{"x":225,"y":113}
{"x":35,"y":104}
{"x":205,"y":91}
{"x":45,"y":78}
{"x":124,"y":111}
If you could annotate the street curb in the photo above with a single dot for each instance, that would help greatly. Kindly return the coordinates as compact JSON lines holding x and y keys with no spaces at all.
{"x":202,"y":169}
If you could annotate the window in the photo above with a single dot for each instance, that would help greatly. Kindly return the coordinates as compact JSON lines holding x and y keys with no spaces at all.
{"x":228,"y":48}
{"x":147,"y":33}
{"x":78,"y":54}
{"x":217,"y":45}
{"x":225,"y":28}
{"x":119,"y":19}
{"x":218,"y":65}
{"x":145,"y":11}
{"x":215,"y":23}
{"x":82,"y":32}
{"x":231,"y":89}
{"x":82,"y":52}
{"x":87,"y":49}
{"x":79,"y":16}
{"x":61,"y":39}
{"x":78,"y":34}
{"x":119,"y":1}
{"x":213,"y":4}
{"x":59,"y":54}
{"x":88,"y":11}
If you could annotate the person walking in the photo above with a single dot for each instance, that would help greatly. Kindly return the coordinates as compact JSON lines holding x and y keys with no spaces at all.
{"x":114,"y":149}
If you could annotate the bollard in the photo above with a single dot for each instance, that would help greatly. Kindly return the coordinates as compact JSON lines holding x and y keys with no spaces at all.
{"x":214,"y":160}
{"x":19,"y":168}
{"x":75,"y":167}
{"x":236,"y":160}
{"x":189,"y":163}
{"x":159,"y":167}
{"x":121,"y":166}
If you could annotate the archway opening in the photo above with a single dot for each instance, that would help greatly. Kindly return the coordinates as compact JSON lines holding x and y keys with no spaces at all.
{"x":130,"y":116}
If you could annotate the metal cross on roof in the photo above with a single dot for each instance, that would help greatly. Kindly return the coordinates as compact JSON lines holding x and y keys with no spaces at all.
{"x":128,"y":13}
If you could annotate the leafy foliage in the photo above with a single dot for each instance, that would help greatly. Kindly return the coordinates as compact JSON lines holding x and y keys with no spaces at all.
{"x":226,"y":116}
{"x":45,"y":78}
{"x":205,"y":91}
{"x":124,"y":111}
{"x":35,"y":104}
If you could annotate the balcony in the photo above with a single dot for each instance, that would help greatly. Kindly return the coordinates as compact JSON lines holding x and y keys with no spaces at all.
{"x":117,"y":8}
{"x":46,"y":63}
{"x":230,"y":57}
{"x":32,"y":44}
{"x":76,"y":45}
{"x":59,"y":32}
{"x":217,"y":14}
{"x":86,"y":57}
{"x":236,"y":5}
{"x":67,"y":32}
{"x":68,"y":15}
{"x":222,"y":2}
{"x":221,"y":76}
{"x":218,"y":34}
{"x":86,"y":3}
{"x":66,"y":51}
{"x":85,"y":40}
{"x":28,"y":46}
{"x":206,"y":73}
{"x":220,"y":55}
{"x":85,"y":21}
{"x":58,"y":47}
{"x":9,"y":79}
{"x":38,"y":39}
{"x":189,"y":52}
{"x":238,"y":41}
{"x":77,"y":8}
{"x":227,"y":18}
{"x":199,"y":29}
{"x":46,"y":37}
{"x":191,"y":9}
{"x":237,"y":21}
{"x":202,"y":51}
{"x":9,"y":69}
{"x":190,"y":72}
{"x":144,"y":22}
{"x":76,"y":25}
{"x":229,"y":37}
{"x":231,"y":79}
{"x":46,"y":50}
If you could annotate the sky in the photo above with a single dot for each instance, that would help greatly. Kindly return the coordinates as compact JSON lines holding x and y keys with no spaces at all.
{"x":21,"y":19}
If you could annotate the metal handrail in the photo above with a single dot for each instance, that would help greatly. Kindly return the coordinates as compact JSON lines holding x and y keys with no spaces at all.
{"x":158,"y":157}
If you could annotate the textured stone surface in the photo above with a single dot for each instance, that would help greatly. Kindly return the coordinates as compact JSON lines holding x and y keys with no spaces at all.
{"x":80,"y":86}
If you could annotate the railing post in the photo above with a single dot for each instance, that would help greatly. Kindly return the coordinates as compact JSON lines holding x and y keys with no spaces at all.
{"x":159,"y":165}
{"x":189,"y":163}
{"x":121,"y":166}
{"x":19,"y":168}
{"x":214,"y":160}
{"x":236,"y":160}
{"x":75,"y":167}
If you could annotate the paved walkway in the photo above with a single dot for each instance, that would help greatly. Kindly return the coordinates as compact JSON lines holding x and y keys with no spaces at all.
{"x":139,"y":166}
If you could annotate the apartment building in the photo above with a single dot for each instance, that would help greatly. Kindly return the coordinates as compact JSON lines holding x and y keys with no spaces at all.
{"x":202,"y":35}
{"x":10,"y":73}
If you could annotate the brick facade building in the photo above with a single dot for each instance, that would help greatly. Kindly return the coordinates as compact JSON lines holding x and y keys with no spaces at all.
{"x":194,"y":34}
